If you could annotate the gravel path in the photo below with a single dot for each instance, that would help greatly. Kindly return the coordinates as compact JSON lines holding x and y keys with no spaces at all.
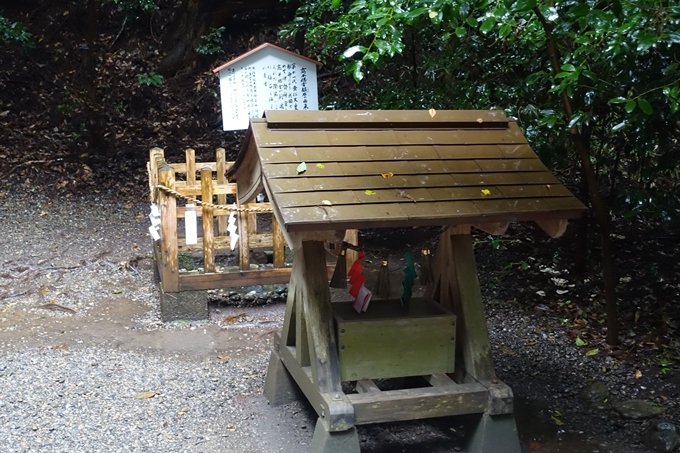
{"x":104,"y":374}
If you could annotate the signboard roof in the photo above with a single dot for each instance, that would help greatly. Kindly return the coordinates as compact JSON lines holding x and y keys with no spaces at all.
{"x":257,"y":49}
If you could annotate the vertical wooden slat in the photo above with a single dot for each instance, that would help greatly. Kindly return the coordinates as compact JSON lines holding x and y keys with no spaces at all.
{"x":279,"y":242}
{"x":252,"y":223}
{"x":168,"y":207}
{"x":243,"y":247}
{"x":208,"y":234}
{"x":220,"y":158}
{"x":191,"y":167}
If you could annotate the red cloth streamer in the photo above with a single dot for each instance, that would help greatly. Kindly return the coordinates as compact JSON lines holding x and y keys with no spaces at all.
{"x":356,"y":279}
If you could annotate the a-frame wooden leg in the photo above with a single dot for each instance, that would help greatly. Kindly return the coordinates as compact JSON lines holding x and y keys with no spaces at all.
{"x":307,"y":345}
{"x":456,"y":286}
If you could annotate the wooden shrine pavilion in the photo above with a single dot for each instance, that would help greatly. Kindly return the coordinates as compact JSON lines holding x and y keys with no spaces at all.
{"x":385,"y":169}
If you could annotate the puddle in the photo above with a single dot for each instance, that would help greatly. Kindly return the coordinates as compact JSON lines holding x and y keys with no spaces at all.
{"x":113,"y":325}
{"x":539,"y":429}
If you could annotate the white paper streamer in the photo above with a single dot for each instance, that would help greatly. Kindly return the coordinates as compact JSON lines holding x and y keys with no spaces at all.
{"x":190,"y":224}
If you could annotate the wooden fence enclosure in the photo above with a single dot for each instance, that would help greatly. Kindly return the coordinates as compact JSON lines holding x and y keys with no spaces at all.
{"x":172,"y":186}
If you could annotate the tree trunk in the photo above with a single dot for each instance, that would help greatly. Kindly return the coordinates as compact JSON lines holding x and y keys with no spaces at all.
{"x":194,"y":19}
{"x":97,"y":142}
{"x":601,"y":212}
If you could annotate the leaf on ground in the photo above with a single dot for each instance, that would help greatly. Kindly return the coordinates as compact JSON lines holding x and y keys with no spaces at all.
{"x":146,"y":395}
{"x":592,"y":352}
{"x":638,"y":374}
{"x":233,"y":318}
{"x":223,"y":358}
{"x":580,"y":342}
{"x":535,"y":446}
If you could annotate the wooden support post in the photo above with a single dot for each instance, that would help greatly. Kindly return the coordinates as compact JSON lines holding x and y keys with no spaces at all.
{"x":310,"y":354}
{"x":221,"y":161}
{"x":279,"y":243}
{"x":191,"y":167}
{"x":208,"y":222}
{"x":168,"y":207}
{"x":316,"y":303}
{"x":351,"y":237}
{"x":457,"y":288}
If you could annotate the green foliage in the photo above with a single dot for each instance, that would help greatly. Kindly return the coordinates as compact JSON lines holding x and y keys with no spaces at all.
{"x":664,"y":361}
{"x":212,"y":42}
{"x":618,"y":64}
{"x":15,"y":31}
{"x":185,"y":261}
{"x":150,"y":79}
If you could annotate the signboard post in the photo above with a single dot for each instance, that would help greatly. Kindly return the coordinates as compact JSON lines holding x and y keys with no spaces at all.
{"x":265,"y":78}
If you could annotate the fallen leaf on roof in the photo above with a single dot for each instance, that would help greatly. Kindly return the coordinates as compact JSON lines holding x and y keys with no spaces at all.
{"x":480,"y":121}
{"x":301,"y":168}
{"x":320,"y":166}
{"x":326,"y":202}
{"x":432,"y":112}
{"x":370,"y":192}
{"x":486,"y":192}
{"x":389,"y":174}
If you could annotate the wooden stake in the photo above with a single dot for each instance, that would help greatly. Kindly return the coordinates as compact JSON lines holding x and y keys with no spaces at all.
{"x":168,"y":206}
{"x":243,"y":244}
{"x":191,"y":167}
{"x":279,"y":243}
{"x":208,"y":222}
{"x":220,"y":158}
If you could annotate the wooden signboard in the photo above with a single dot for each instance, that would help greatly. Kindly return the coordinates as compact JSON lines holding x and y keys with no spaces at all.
{"x":265,"y":78}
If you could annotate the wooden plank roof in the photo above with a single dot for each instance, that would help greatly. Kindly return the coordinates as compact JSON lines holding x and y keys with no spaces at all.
{"x":369,"y":169}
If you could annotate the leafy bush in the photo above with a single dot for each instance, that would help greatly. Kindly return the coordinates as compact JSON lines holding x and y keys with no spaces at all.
{"x":14,"y":31}
{"x":213,"y":42}
{"x":150,"y":79}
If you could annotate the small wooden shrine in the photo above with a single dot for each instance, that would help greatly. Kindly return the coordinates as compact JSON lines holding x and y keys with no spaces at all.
{"x":383,"y":169}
